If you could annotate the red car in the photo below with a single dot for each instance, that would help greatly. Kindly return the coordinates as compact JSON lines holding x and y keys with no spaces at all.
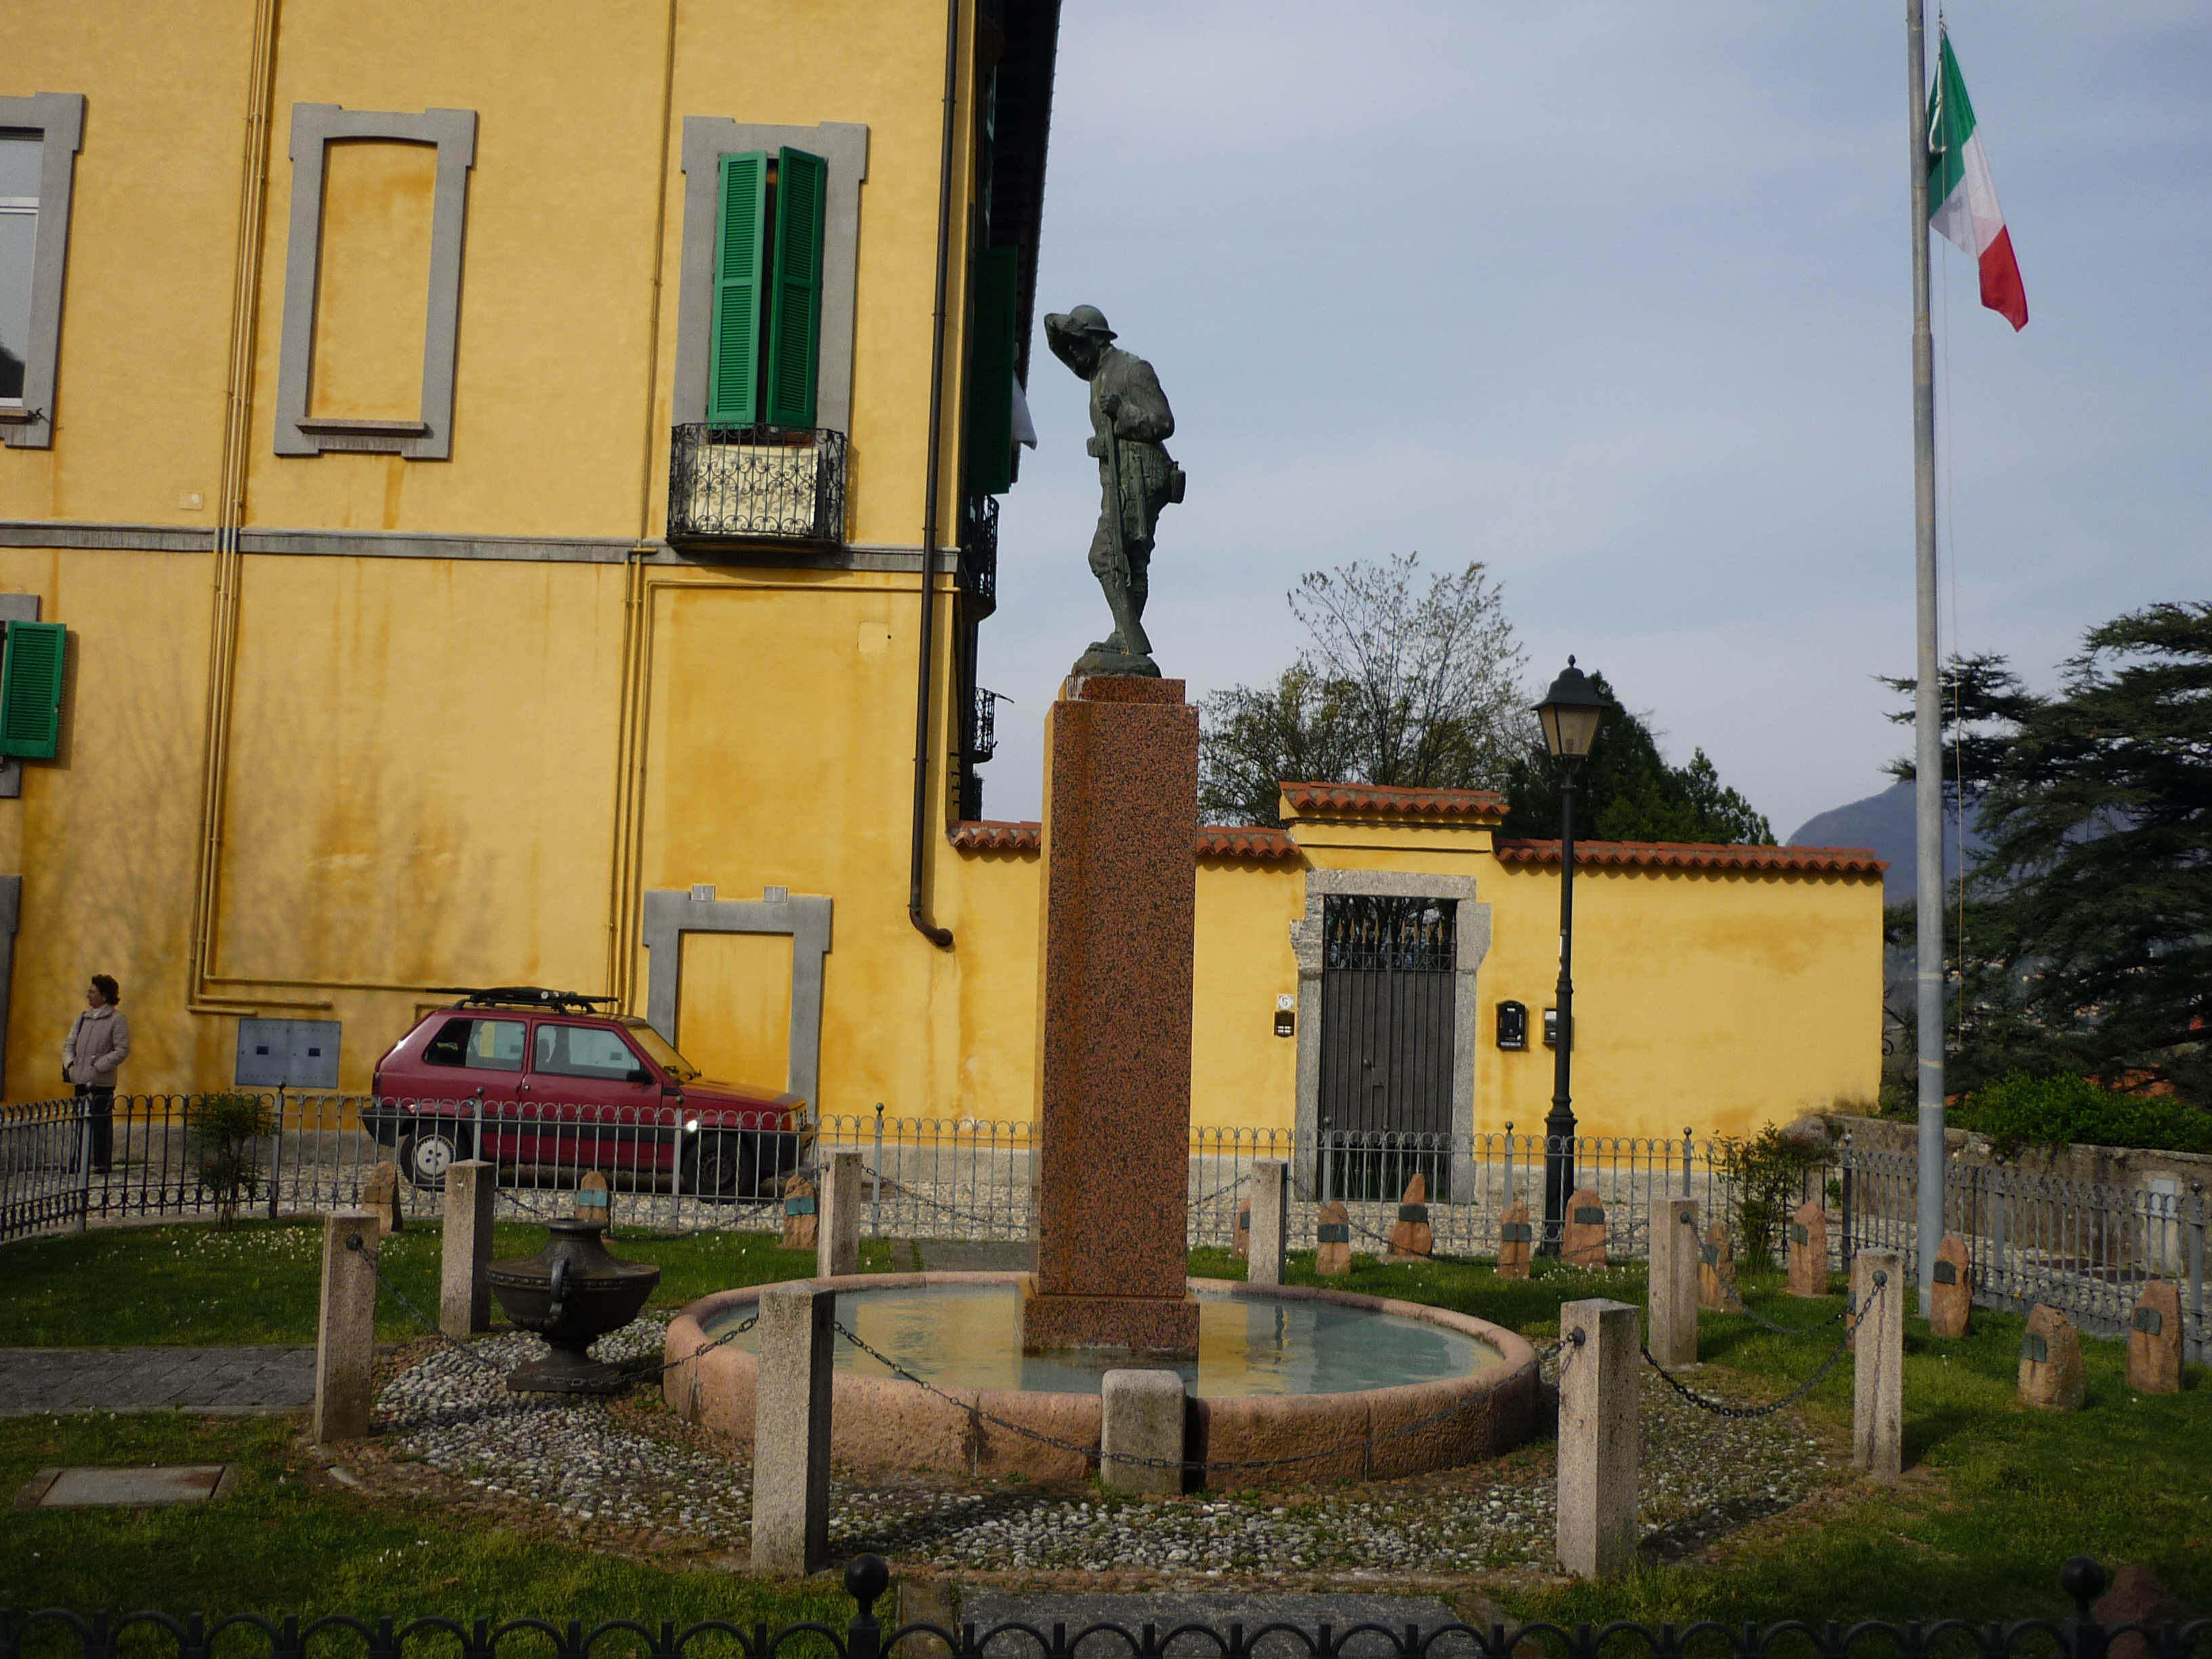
{"x":531,"y":1078}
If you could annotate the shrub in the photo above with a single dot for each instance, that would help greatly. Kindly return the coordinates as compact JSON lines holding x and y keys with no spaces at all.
{"x":226,"y":1133}
{"x":2023,"y":1111}
{"x":1767,"y":1176}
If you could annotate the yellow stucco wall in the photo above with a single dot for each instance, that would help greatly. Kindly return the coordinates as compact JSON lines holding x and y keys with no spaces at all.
{"x":1712,"y":998}
{"x":439,"y":771}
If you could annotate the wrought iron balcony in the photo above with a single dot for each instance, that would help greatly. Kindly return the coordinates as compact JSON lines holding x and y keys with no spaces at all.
{"x":982,"y":727}
{"x":756,"y":483}
{"x":979,"y":555}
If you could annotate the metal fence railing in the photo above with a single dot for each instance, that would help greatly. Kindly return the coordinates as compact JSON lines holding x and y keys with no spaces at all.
{"x":64,"y":1164}
{"x":2085,"y":1248}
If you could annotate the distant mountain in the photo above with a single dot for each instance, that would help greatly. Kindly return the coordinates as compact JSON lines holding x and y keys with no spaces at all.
{"x":1884,"y":823}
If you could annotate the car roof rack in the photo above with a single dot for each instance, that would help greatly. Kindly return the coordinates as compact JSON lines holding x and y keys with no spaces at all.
{"x":523,"y":996}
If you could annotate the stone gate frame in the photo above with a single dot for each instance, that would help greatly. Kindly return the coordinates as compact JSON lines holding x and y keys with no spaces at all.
{"x":671,"y":913}
{"x":1307,"y":944}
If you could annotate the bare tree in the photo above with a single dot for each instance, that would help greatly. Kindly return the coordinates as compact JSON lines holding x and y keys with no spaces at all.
{"x":1402,"y":683}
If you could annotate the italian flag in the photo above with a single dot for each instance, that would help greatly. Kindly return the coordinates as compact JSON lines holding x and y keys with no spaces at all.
{"x":1962,"y":201}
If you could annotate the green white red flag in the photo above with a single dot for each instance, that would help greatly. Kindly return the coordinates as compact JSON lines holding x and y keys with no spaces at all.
{"x":1962,"y":201}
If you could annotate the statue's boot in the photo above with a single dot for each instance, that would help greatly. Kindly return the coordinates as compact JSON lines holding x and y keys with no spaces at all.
{"x":1129,"y":633}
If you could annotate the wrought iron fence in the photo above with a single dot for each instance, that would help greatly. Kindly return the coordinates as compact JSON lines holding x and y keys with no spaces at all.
{"x":61,"y":1166}
{"x":2084,"y":1247}
{"x":52,"y":1630}
{"x":787,"y":482}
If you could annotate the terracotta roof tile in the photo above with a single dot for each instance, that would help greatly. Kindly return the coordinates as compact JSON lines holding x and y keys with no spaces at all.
{"x":1377,"y":800}
{"x":996,"y":835}
{"x":1233,"y":840}
{"x":1215,"y":840}
{"x":1697,"y":855}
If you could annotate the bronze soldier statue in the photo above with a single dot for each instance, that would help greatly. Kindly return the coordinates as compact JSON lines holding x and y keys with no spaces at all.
{"x":1130,"y":422}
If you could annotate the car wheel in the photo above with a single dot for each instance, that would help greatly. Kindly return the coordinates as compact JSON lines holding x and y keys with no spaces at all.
{"x":426,"y":1152}
{"x":710,"y":1167}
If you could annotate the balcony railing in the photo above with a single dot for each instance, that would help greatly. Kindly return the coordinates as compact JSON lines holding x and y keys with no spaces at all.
{"x":979,"y":555}
{"x":982,"y":731}
{"x":756,"y":482}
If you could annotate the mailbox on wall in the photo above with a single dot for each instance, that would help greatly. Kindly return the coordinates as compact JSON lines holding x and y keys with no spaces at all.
{"x":1512,"y":1024}
{"x":295,"y":1053}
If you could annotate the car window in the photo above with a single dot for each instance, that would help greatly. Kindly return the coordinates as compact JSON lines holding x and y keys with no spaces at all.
{"x":591,"y":1051}
{"x":658,"y":1046}
{"x":489,"y":1045}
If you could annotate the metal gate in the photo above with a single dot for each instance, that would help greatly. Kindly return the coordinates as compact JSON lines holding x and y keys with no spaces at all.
{"x":1386,"y":1042}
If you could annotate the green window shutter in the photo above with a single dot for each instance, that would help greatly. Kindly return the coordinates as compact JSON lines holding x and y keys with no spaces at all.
{"x":991,"y":373}
{"x":733,"y":388}
{"x":31,"y":689}
{"x":802,"y":189}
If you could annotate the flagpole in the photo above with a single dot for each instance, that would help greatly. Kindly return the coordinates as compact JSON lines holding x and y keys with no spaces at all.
{"x":1928,"y":715}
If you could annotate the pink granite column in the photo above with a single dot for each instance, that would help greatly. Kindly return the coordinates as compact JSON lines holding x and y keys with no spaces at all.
{"x":1121,"y":883}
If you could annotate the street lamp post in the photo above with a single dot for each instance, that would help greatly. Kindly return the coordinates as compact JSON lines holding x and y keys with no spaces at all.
{"x":1569,"y":714}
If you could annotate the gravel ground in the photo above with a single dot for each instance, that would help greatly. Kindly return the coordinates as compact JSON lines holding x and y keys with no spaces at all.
{"x":629,"y":1469}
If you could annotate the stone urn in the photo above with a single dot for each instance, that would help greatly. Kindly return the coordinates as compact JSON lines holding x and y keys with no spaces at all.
{"x":572,"y":1293}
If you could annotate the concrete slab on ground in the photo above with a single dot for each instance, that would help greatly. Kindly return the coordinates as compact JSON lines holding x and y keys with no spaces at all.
{"x":220,"y":1381}
{"x":126,"y":1487}
{"x":1216,"y":1610}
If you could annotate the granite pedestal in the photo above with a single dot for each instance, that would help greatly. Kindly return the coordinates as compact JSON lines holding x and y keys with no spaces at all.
{"x":1121,"y":886}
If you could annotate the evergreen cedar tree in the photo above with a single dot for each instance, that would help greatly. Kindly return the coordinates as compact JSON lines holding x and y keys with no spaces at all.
{"x":2087,"y":921}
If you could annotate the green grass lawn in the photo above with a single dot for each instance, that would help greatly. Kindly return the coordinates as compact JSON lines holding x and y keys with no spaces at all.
{"x":1996,"y":1496}
{"x":260,"y":1281}
{"x":285,"y":1542}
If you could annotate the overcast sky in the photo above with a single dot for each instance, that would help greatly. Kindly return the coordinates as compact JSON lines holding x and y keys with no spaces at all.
{"x":1616,"y":299}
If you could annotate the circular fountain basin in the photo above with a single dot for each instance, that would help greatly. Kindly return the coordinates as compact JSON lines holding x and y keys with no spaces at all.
{"x":1282,"y":1372}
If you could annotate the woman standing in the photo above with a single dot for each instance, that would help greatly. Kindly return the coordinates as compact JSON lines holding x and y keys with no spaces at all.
{"x":95,"y":1049}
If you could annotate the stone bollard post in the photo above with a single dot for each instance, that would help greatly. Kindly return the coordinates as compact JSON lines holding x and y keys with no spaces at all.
{"x":1807,"y":1250}
{"x":1141,"y":1415}
{"x":2154,"y":1340}
{"x":1878,"y":1364}
{"x":1598,"y":1437}
{"x":837,"y":1244}
{"x":2050,"y":1373}
{"x":1951,"y":1300}
{"x":345,"y":1332}
{"x":1673,"y":1295}
{"x":1271,"y":1223}
{"x":791,"y":1428}
{"x":1333,"y":1241}
{"x":465,"y":1284}
{"x":1516,"y":1237}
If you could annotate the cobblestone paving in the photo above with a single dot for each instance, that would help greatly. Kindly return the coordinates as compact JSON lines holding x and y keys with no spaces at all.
{"x":264,"y":1377}
{"x":612,"y":1471}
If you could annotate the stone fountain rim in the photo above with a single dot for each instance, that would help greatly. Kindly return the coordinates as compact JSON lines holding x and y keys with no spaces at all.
{"x":881,"y":1421}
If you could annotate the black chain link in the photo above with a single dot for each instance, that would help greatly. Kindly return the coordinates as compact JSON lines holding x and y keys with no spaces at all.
{"x":1721,"y":1408}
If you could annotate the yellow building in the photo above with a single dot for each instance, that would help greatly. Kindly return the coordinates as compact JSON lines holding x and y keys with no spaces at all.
{"x":482,"y":457}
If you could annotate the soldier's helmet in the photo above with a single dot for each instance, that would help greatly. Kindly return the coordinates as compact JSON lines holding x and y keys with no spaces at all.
{"x":1088,"y":319}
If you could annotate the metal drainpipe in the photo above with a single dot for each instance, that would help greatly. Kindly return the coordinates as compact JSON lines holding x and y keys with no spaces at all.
{"x":941,"y":937}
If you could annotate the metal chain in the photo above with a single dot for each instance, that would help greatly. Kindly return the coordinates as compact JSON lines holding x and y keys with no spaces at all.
{"x":1093,"y":1452}
{"x":901,"y":1190}
{"x":354,"y":1242}
{"x":1721,"y":1408}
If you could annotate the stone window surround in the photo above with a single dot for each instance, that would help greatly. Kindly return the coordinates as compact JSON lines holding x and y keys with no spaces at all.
{"x":706,"y":139}
{"x":671,"y":913}
{"x":314,"y":128}
{"x":58,"y":118}
{"x":1308,"y":944}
